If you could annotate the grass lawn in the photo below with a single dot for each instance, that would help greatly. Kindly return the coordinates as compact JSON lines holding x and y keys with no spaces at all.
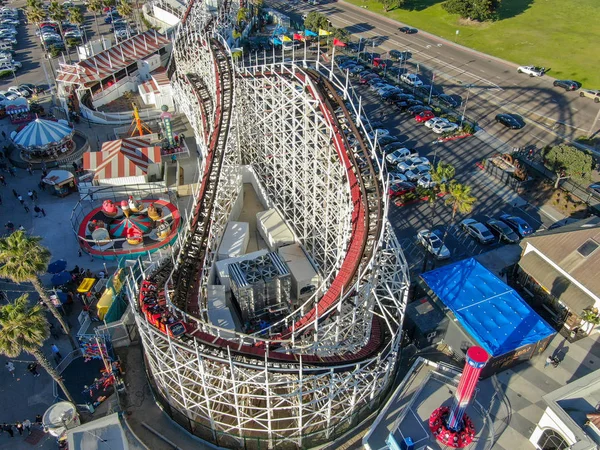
{"x":562,"y":35}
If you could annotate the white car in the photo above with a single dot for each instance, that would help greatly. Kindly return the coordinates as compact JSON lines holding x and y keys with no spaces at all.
{"x":532,"y":71}
{"x":381,"y":132}
{"x":417,"y":172}
{"x":9,"y":95}
{"x":478,"y":231}
{"x":399,"y":155}
{"x":20,"y":91}
{"x":426,"y":181}
{"x":8,"y":32}
{"x":411,"y":162}
{"x":444,"y":128}
{"x":436,"y":120}
{"x":411,"y":79}
{"x":10,"y":21}
{"x":396,"y":177}
{"x":433,"y":244}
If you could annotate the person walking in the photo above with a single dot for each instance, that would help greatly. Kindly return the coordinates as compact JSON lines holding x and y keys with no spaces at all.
{"x":30,"y":194}
{"x":26,"y":208}
{"x":10,"y":367}
{"x":43,"y":212}
{"x":19,"y":427}
{"x":56,"y":352}
{"x":20,"y":198}
{"x":12,"y":171}
{"x":16,"y":194}
{"x":30,"y":169}
{"x":38,"y":420}
{"x":32,"y":367}
{"x":37,"y":210}
{"x":27,"y":426}
{"x":548,"y":361}
{"x":2,"y":180}
{"x":8,"y":428}
{"x":34,"y":196}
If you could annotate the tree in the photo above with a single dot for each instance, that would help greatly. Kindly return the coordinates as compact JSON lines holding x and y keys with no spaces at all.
{"x":242,"y":15}
{"x":75,"y":16}
{"x":460,"y":199}
{"x":479,"y":10}
{"x":591,"y":319}
{"x":315,"y":21}
{"x":58,"y":13}
{"x":389,"y":5}
{"x":569,"y":162}
{"x":23,"y":259}
{"x":96,"y":7}
{"x":35,"y":14}
{"x":340,"y":33}
{"x":124,"y":9}
{"x":24,"y":329}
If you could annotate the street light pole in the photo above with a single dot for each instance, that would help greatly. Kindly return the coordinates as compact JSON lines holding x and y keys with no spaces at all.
{"x":462,"y":117}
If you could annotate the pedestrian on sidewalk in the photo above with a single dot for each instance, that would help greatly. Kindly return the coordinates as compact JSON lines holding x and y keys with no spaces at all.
{"x":43,"y":212}
{"x":26,"y":208}
{"x":3,"y":135}
{"x":56,"y":352}
{"x":19,"y":427}
{"x":21,"y":228}
{"x":35,"y":197}
{"x":15,"y":194}
{"x":6,"y":427}
{"x":38,"y":420}
{"x":37,"y":210}
{"x":30,"y":169}
{"x":10,"y":367}
{"x":30,"y":194}
{"x":549,"y":361}
{"x":2,"y":180}
{"x":27,"y":426}
{"x":32,"y":367}
{"x":20,"y":198}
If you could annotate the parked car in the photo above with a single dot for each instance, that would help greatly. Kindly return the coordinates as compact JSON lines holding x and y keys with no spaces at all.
{"x":594,"y":189}
{"x":532,"y":71}
{"x":366,"y":78}
{"x":448,"y":100}
{"x":8,"y":95}
{"x":385,"y":140}
{"x":407,"y":30}
{"x":433,"y":244}
{"x":417,"y":172}
{"x":389,"y":148}
{"x":412,"y":161}
{"x":567,"y":85}
{"x":440,"y":128}
{"x":477,"y":230}
{"x":400,"y":155}
{"x":436,"y":120}
{"x":355,"y":70}
{"x":413,"y":109}
{"x":396,"y":177}
{"x":400,"y":188}
{"x":426,"y":89}
{"x":589,"y":93}
{"x":424,"y":116}
{"x":520,"y":226}
{"x":426,"y":181}
{"x":397,"y":55}
{"x":412,"y":79}
{"x":512,"y":121}
{"x":20,"y":91}
{"x":503,"y":231}
{"x":380,"y":132}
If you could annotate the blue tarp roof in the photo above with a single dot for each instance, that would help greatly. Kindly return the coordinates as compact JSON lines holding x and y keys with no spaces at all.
{"x":491,"y":311}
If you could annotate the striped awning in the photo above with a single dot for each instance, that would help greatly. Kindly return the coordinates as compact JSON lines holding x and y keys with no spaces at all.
{"x":122,"y":158}
{"x":40,"y":133}
{"x":110,"y":61}
{"x":148,"y":87}
{"x":17,"y":109}
{"x":160,"y":77}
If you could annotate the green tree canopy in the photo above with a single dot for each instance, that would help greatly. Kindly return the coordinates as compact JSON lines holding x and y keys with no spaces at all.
{"x":95,"y":6}
{"x":75,"y":16}
{"x":575,"y":163}
{"x":389,"y":5}
{"x":24,"y":329}
{"x":480,"y":10}
{"x":315,"y":21}
{"x":124,"y":9}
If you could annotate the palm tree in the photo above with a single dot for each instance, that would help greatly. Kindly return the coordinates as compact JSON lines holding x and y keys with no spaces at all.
{"x":591,"y":319}
{"x":35,"y":14}
{"x":95,"y":6}
{"x":441,"y":177}
{"x":24,"y":329}
{"x":76,"y":17}
{"x":23,"y":259}
{"x":124,"y":9}
{"x":58,"y":13}
{"x":461,"y":200}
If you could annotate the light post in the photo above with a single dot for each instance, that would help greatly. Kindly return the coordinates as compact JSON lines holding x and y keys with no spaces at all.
{"x":462,"y":117}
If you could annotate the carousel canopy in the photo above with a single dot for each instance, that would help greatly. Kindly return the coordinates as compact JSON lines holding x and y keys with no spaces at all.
{"x":40,"y":133}
{"x":139,"y":223}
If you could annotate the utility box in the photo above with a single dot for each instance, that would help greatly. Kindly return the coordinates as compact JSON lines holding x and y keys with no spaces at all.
{"x":305,"y":278}
{"x":273,"y":229}
{"x":235,"y":240}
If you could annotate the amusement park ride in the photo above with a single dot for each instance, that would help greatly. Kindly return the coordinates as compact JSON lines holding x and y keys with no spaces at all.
{"x":137,"y":124}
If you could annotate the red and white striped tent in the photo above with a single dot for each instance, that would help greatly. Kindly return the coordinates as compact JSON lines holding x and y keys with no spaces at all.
{"x":110,"y":61}
{"x":123,"y":158}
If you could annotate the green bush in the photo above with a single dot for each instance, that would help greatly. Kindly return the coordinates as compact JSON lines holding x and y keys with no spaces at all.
{"x":468,"y":128}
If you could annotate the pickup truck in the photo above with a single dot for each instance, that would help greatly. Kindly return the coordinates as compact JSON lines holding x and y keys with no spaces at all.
{"x":400,"y":155}
{"x":532,"y":71}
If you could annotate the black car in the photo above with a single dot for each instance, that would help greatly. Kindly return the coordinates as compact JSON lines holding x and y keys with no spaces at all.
{"x":417,"y":109}
{"x":567,"y":85}
{"x":371,"y":56}
{"x":408,"y":30}
{"x":448,"y":100}
{"x":502,"y":231}
{"x":512,"y":121}
{"x":594,"y":189}
{"x":425,"y":89}
{"x":385,"y":140}
{"x":397,"y":55}
{"x":414,"y":102}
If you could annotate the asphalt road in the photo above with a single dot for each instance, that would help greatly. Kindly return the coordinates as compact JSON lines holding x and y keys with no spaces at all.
{"x":496,"y":85}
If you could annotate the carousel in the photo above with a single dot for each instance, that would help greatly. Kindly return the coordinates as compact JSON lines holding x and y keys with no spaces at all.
{"x":43,"y":140}
{"x":129,"y":228}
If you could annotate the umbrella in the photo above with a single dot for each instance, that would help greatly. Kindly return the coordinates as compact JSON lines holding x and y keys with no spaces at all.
{"x":61,"y":278}
{"x":40,"y":133}
{"x":57,"y":266}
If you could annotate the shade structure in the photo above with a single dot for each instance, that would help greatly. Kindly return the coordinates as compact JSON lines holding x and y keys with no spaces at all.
{"x":41,"y":133}
{"x":61,"y":278}
{"x":57,"y":266}
{"x":119,"y":228}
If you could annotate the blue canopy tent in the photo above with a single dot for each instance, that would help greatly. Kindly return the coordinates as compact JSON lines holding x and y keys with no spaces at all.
{"x":489,"y":312}
{"x":42,"y":133}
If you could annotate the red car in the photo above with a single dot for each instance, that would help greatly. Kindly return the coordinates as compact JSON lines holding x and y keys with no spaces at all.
{"x":401,"y":188}
{"x":424,"y":116}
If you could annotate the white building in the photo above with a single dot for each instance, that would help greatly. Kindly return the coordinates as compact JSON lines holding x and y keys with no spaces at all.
{"x":569,"y":421}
